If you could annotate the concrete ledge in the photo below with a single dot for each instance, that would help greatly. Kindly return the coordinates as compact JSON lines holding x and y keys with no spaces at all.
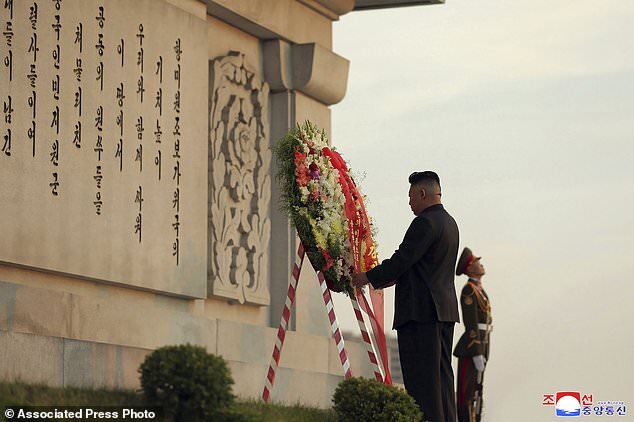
{"x":32,"y":359}
{"x":291,"y":386}
{"x":254,"y":344}
{"x":88,"y":364}
{"x":32,"y":310}
{"x":66,"y":339}
{"x":147,"y":327}
{"x":60,"y":362}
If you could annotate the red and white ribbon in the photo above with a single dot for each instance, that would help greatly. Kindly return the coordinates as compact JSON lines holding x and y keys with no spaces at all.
{"x":334,"y":325}
{"x":366,"y":337}
{"x":281,"y":331}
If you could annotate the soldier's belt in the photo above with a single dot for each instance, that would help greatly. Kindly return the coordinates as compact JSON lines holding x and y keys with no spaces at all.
{"x":485,"y":327}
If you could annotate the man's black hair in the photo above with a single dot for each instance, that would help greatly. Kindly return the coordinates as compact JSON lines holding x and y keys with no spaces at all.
{"x":423,"y":176}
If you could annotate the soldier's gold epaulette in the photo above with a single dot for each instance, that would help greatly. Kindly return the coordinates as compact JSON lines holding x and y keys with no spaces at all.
{"x":483,"y":302}
{"x":467,"y":297}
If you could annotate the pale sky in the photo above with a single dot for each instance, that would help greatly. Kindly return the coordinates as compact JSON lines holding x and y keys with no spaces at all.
{"x":526,"y":111}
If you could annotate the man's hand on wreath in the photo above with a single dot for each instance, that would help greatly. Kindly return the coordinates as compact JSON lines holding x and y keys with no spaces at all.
{"x":359,"y":279}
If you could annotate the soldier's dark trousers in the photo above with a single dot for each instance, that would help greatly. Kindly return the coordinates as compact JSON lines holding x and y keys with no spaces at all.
{"x":467,"y":383}
{"x":425,"y":353}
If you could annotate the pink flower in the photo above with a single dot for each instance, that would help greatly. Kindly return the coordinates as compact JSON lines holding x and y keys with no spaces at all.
{"x":301,"y":175}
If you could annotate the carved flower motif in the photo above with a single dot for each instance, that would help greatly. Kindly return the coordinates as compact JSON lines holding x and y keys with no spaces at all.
{"x":242,"y":144}
{"x":243,"y":157}
{"x":240,"y":192}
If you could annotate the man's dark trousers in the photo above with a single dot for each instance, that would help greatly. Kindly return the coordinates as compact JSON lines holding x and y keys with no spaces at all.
{"x":425,"y":353}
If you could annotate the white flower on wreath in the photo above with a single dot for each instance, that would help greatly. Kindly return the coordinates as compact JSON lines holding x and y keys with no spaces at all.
{"x":303,"y":192}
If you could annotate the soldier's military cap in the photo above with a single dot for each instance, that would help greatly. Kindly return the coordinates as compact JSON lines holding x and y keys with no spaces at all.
{"x":466,"y":258}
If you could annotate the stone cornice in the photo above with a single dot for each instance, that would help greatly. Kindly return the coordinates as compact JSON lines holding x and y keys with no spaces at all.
{"x":291,"y":20}
{"x":309,"y":68}
{"x":332,"y":9}
{"x":319,"y":73}
{"x":385,"y":4}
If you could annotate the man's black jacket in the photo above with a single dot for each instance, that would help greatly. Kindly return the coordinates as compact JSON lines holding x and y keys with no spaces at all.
{"x":423,"y":268}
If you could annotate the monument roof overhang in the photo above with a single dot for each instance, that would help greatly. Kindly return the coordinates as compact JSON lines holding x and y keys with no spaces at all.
{"x":245,"y":15}
{"x":336,"y":8}
{"x":385,"y":4}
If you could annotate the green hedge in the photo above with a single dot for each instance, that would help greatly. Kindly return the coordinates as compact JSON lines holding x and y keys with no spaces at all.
{"x":188,"y":383}
{"x":362,"y":399}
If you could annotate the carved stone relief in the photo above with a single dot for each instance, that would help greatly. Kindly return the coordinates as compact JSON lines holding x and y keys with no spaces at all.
{"x":239,"y":182}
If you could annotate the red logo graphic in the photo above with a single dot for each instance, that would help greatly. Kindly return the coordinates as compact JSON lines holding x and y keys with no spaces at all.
{"x":573,"y":394}
{"x":568,"y":403}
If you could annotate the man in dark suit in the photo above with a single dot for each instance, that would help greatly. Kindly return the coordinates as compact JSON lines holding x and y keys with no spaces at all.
{"x":472,"y":349}
{"x":426,"y":307}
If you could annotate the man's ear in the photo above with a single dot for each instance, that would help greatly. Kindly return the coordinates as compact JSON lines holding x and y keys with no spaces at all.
{"x":423,"y":192}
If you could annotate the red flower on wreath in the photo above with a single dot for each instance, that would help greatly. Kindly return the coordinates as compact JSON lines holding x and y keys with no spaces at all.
{"x":301,"y":173}
{"x":299,"y":157}
{"x":329,"y":261}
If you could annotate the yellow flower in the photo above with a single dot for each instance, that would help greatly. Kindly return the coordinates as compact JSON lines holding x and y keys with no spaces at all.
{"x":320,"y":239}
{"x":337,"y":227}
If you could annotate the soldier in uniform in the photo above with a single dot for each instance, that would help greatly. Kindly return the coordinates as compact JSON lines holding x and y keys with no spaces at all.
{"x":472,"y":349}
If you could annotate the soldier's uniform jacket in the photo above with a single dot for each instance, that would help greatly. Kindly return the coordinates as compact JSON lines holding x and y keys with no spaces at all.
{"x":476,"y":313}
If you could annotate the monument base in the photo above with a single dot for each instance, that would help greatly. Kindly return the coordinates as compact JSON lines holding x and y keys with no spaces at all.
{"x":98,"y":337}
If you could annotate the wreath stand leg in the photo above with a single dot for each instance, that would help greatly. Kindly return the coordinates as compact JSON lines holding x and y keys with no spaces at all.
{"x":366,"y":337}
{"x":334,"y":325}
{"x":281,"y":331}
{"x":286,"y":312}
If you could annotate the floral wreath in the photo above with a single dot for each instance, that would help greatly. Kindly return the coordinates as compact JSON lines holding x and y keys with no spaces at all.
{"x":325,"y":207}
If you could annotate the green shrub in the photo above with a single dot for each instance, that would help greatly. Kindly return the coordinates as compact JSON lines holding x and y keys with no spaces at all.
{"x":362,"y":399}
{"x":188,"y":383}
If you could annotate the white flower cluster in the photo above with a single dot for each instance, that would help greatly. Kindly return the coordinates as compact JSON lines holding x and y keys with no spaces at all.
{"x":329,"y":223}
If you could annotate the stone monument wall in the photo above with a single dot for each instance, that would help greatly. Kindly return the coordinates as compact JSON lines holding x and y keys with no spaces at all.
{"x":138,"y":205}
{"x":101,"y":151}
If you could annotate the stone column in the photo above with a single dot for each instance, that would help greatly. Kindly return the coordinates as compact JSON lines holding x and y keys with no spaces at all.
{"x":276,"y":55}
{"x":304,"y":79}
